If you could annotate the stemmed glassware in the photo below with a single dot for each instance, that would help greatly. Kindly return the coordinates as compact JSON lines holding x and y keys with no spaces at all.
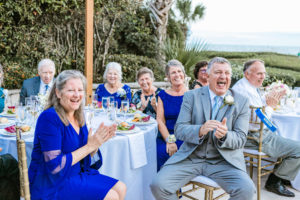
{"x":95,"y":101}
{"x":124,"y":107}
{"x":89,"y":114}
{"x":105,"y":103}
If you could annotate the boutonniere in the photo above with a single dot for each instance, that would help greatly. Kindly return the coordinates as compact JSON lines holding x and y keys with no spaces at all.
{"x":121,"y":92}
{"x":228,"y":100}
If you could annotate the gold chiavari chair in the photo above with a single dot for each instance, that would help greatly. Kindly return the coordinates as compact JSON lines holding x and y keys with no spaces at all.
{"x":22,"y":158}
{"x":255,"y":157}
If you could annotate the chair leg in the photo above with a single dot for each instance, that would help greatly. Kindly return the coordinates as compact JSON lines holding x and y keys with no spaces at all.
{"x":211,"y":194}
{"x":206,"y":197}
{"x":251,"y":168}
{"x":258,"y":177}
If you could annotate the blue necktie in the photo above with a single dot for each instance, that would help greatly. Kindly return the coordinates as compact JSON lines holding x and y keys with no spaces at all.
{"x":216,"y":107}
{"x":46,"y":88}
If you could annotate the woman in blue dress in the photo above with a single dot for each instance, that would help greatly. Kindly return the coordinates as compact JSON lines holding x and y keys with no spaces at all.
{"x":168,"y":108}
{"x":113,"y":86}
{"x":61,"y":165}
{"x":2,"y":94}
{"x":146,"y":98}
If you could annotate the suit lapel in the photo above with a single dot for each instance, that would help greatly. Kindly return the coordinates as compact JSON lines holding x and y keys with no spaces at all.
{"x":36,"y":87}
{"x":206,"y":104}
{"x":222,"y":111}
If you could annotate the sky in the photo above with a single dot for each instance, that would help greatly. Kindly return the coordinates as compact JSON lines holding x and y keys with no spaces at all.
{"x":249,"y":22}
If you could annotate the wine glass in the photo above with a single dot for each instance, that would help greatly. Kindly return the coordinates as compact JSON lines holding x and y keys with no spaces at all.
{"x":21,"y":114}
{"x":95,"y":101}
{"x":113,"y":106}
{"x":89,"y":114}
{"x":105,"y":103}
{"x":124,"y":107}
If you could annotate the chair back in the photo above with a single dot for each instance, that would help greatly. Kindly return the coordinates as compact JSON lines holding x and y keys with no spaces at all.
{"x":256,"y":125}
{"x":22,"y":158}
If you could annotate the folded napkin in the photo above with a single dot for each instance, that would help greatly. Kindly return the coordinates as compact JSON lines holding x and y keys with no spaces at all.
{"x":137,"y":150}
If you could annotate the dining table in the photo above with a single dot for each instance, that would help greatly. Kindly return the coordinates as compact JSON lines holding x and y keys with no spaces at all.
{"x":288,"y":126}
{"x":129,"y":157}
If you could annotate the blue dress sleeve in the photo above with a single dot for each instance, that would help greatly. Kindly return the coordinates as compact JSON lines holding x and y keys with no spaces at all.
{"x":49,"y":130}
{"x":99,"y":91}
{"x":2,"y":99}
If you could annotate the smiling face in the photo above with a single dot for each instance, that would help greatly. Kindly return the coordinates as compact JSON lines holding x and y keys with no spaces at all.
{"x":46,"y":73}
{"x":256,"y":74}
{"x":176,"y":75}
{"x":71,"y":95}
{"x":219,"y":78}
{"x":202,"y":74}
{"x":112,"y":76}
{"x":145,"y":81}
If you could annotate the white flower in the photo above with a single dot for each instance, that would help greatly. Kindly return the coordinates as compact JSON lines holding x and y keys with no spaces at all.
{"x":121,"y":92}
{"x":228,"y":100}
{"x":139,"y":105}
{"x":278,"y":86}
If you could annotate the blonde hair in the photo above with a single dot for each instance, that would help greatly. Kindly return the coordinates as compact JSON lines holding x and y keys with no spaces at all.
{"x":54,"y":101}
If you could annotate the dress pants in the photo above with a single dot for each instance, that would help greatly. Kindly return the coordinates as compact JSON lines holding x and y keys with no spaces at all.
{"x":171,"y":177}
{"x":277,"y":146}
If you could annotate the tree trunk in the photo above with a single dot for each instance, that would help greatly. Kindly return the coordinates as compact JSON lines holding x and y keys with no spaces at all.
{"x":160,"y":12}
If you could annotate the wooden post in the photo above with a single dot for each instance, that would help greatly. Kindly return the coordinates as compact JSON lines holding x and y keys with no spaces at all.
{"x":88,"y":63}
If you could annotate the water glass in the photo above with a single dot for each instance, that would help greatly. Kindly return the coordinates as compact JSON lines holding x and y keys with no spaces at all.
{"x":95,"y":101}
{"x":21,"y":114}
{"x":89,"y":115}
{"x":105,"y":103}
{"x":124,"y":107}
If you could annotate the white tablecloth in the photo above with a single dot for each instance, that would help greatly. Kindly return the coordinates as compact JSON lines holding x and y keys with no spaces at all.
{"x":289,"y":127}
{"x":118,"y":161}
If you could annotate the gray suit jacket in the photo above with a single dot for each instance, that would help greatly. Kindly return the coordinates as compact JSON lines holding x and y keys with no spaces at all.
{"x":30,"y":87}
{"x":196,"y":110}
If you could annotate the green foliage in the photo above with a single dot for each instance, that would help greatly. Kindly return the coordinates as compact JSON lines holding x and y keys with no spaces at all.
{"x":32,"y":30}
{"x":187,"y":14}
{"x":188,"y":54}
{"x":14,"y":75}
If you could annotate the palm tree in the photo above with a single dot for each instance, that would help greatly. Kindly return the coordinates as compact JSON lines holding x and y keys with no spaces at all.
{"x":187,"y":14}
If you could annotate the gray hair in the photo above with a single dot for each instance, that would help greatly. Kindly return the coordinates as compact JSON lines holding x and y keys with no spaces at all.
{"x":217,"y":60}
{"x":144,"y":70}
{"x":248,"y":64}
{"x":173,"y":63}
{"x":54,"y":101}
{"x":2,"y":74}
{"x":46,"y":62}
{"x":113,"y":65}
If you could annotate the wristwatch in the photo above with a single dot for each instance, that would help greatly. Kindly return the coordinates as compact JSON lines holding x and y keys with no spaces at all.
{"x":171,"y":139}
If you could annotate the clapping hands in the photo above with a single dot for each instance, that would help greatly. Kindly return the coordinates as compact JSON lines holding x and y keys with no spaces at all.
{"x":210,"y":125}
{"x":102,"y":134}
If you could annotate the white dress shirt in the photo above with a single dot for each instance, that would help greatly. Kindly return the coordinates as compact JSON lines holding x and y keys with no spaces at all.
{"x":244,"y":87}
{"x":43,"y":87}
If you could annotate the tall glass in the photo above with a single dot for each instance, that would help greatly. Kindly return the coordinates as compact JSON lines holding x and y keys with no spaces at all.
{"x":113,"y":106}
{"x":95,"y":101}
{"x":21,"y":114}
{"x":105,"y":103}
{"x":124,"y":107}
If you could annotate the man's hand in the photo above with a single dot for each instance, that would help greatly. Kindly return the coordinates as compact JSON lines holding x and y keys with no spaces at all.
{"x":221,"y":131}
{"x":208,"y":126}
{"x":273,"y":98}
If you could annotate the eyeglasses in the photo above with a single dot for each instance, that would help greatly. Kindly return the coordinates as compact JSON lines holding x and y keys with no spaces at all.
{"x":203,"y":71}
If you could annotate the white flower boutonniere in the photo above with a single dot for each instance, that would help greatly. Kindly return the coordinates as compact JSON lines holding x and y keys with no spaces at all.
{"x":228,"y":100}
{"x":121,"y":92}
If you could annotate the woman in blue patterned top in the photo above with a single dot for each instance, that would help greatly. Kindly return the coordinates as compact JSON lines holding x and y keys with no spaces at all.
{"x":113,"y":86}
{"x":2,"y":94}
{"x":168,"y":108}
{"x":146,"y":98}
{"x":61,"y":166}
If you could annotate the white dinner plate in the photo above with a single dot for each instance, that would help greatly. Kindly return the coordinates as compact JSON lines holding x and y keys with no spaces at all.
{"x":151,"y":121}
{"x":7,"y":115}
{"x":8,"y":123}
{"x":135,"y":130}
{"x":4,"y":132}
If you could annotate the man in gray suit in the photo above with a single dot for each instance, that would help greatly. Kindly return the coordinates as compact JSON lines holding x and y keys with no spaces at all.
{"x":213,"y":123}
{"x":39,"y":84}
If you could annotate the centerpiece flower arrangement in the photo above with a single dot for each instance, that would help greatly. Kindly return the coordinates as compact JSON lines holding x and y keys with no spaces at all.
{"x":43,"y":98}
{"x":278,"y":86}
{"x":121,"y":93}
